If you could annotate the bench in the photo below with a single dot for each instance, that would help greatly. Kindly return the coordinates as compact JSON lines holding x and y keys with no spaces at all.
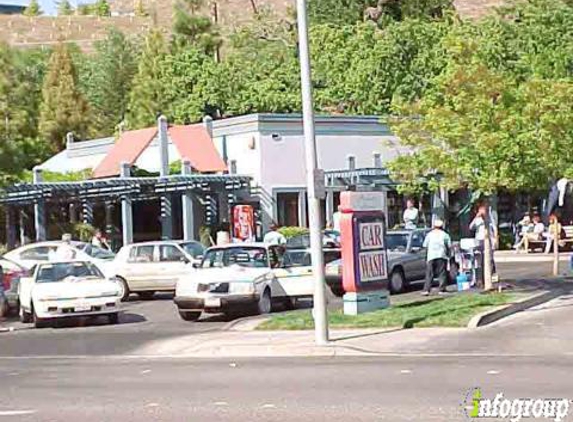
{"x":566,"y":241}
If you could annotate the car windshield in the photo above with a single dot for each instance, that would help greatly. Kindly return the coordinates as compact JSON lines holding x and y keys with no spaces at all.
{"x":95,"y":251}
{"x":250,"y":257}
{"x":52,"y":273}
{"x":193,"y":248}
{"x":397,"y":242}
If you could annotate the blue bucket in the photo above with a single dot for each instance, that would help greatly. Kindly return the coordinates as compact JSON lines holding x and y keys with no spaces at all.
{"x":463,"y":282}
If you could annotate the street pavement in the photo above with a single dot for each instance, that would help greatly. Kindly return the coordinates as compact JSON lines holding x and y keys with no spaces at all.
{"x":98,"y":373}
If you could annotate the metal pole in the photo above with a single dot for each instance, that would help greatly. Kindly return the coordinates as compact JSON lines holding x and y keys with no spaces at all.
{"x":187,"y":205}
{"x":556,"y":235}
{"x":126,"y":209}
{"x":319,"y":311}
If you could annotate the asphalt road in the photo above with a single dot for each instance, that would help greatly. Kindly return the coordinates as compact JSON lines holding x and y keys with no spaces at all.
{"x":142,"y":322}
{"x":336,"y":389}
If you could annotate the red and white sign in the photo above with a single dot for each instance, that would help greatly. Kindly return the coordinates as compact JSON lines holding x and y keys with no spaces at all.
{"x":243,"y":223}
{"x":372,"y":266}
{"x":371,"y":235}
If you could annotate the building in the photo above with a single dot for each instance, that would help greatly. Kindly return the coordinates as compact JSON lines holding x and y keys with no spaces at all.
{"x":269,"y":148}
{"x":256,"y":160}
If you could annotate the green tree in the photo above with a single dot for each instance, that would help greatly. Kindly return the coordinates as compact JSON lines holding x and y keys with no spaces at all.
{"x":101,"y":8}
{"x":107,"y":79}
{"x":65,"y":8}
{"x":192,"y":28}
{"x":33,"y":9}
{"x":63,"y":107}
{"x":147,"y":98}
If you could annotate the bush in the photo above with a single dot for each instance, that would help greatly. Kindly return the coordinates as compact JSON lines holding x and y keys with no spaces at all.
{"x":294,"y":231}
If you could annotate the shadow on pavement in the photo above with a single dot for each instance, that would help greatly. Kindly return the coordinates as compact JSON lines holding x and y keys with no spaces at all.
{"x":124,"y":318}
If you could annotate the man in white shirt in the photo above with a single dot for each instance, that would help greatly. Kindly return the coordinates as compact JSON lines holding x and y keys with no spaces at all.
{"x":274,"y":237}
{"x":438,"y":245}
{"x":65,"y":252}
{"x":410,"y":215}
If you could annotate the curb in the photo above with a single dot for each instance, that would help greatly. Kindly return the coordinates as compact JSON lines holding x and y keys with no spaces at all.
{"x":496,"y":314}
{"x":236,"y":324}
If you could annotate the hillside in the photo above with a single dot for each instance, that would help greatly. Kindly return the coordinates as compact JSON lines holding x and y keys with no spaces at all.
{"x":22,"y":31}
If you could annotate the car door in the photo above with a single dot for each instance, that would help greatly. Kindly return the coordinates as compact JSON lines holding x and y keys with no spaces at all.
{"x":25,"y":291}
{"x":141,"y":270}
{"x":173,"y":262}
{"x":294,"y":279}
{"x":418,"y":254}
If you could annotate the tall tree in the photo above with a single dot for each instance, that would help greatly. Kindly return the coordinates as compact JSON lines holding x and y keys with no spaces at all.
{"x":101,"y":8}
{"x":65,"y":8}
{"x":33,"y":9}
{"x":147,"y":98}
{"x":108,"y":79}
{"x":63,"y":108}
{"x":192,"y":28}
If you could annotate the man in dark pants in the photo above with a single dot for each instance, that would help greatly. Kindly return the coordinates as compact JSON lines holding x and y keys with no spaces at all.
{"x":437,"y":244}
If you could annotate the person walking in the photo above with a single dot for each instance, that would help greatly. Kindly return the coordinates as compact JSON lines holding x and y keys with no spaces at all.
{"x":438,"y":244}
{"x":274,"y":237}
{"x":479,"y":225}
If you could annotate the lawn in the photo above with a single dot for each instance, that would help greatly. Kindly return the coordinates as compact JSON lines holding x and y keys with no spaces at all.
{"x":453,"y":311}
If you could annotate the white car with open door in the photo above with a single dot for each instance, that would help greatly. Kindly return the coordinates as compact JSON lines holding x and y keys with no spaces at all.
{"x":149,"y":267}
{"x":67,"y":289}
{"x":238,"y":277}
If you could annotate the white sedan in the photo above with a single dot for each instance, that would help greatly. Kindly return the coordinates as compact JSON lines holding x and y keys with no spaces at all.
{"x":67,"y":289}
{"x":238,"y":277}
{"x":37,"y":253}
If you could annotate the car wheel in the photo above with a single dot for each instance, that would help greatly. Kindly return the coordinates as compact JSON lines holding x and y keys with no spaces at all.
{"x":146,"y":295}
{"x":125,"y":289}
{"x":189,"y":316}
{"x":264,"y":305}
{"x":113,"y":318}
{"x":397,"y":281}
{"x":39,"y":322}
{"x":25,"y":317}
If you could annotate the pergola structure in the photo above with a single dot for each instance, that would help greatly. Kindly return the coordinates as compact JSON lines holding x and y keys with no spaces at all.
{"x":208,"y":189}
{"x":203,"y":182}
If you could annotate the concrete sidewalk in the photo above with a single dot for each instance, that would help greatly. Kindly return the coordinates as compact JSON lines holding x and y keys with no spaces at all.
{"x":513,"y":256}
{"x":241,"y":341}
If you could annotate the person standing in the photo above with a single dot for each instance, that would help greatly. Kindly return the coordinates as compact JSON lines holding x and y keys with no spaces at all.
{"x":99,"y":240}
{"x":553,"y":232}
{"x":479,"y":225}
{"x":65,"y":252}
{"x":410,"y":216}
{"x":438,"y":244}
{"x":274,"y":237}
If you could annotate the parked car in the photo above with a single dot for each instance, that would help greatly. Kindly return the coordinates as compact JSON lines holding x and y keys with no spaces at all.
{"x":11,"y":273}
{"x":330,"y":240}
{"x":67,"y":289}
{"x":406,"y":262}
{"x":239,"y":277}
{"x":149,"y":267}
{"x":36,"y":253}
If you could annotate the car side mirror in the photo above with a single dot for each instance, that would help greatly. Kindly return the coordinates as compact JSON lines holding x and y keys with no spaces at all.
{"x":196,"y":265}
{"x":184,"y":260}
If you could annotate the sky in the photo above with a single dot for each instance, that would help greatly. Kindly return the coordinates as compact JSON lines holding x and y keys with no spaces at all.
{"x":49,"y":7}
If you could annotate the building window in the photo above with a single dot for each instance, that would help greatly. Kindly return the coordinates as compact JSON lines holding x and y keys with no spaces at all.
{"x":287,"y":208}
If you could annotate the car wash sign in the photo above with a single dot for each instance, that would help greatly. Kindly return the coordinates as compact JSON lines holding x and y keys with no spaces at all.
{"x":364,"y":258}
{"x":372,"y":266}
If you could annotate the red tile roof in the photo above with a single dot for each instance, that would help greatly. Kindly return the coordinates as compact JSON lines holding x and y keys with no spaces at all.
{"x":194,"y":143}
{"x":128,"y":148}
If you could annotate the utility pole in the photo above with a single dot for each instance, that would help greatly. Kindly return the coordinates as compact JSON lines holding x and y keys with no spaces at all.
{"x":315,"y":186}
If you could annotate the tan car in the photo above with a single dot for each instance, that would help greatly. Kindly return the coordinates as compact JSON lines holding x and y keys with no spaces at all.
{"x":149,"y":267}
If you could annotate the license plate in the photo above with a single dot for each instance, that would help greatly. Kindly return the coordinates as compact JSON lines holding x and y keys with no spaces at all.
{"x":212,"y":302}
{"x":83,"y":308}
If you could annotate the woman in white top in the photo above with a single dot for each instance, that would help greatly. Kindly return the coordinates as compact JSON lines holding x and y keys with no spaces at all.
{"x":410,"y":215}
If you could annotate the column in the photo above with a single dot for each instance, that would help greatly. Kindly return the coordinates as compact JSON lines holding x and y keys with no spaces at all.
{"x":87,"y":212}
{"x":302,"y":209}
{"x":10,"y":228}
{"x":22,"y":227}
{"x":329,"y":208}
{"x":166,"y":217}
{"x":439,"y":204}
{"x":187,"y":206}
{"x":109,"y":227}
{"x":126,"y":209}
{"x":39,"y":209}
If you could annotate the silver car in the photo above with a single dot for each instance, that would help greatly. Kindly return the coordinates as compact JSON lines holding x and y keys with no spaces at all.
{"x":406,"y":261}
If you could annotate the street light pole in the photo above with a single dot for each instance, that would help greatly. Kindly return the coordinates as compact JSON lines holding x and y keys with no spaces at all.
{"x":313,"y":176}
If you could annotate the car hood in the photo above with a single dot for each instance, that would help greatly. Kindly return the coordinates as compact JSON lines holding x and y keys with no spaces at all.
{"x":229,"y":274}
{"x":74,"y":287}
